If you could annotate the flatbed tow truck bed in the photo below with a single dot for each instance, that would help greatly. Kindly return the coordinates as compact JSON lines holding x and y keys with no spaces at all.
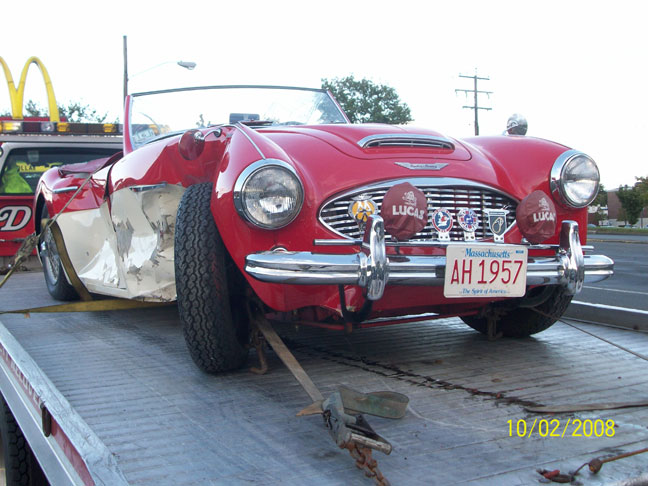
{"x":142,"y":413}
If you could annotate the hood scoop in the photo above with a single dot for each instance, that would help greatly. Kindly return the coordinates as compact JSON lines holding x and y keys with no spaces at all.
{"x":401,"y":140}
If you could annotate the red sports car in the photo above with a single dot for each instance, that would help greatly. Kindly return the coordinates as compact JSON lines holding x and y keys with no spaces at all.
{"x":239,"y":200}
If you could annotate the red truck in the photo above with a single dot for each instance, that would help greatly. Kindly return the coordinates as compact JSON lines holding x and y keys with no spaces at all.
{"x":28,"y":148}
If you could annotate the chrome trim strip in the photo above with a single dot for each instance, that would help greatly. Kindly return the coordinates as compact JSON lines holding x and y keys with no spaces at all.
{"x":349,"y":242}
{"x":227,"y":86}
{"x":568,"y":267}
{"x":65,"y":189}
{"x":148,"y":187}
{"x":405,"y":139}
{"x":242,"y":128}
{"x":436,"y":244}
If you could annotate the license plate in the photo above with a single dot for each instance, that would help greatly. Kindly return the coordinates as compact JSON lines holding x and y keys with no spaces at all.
{"x":485,"y":271}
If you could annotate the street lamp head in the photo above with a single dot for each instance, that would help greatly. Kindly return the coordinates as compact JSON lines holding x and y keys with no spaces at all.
{"x":187,"y":64}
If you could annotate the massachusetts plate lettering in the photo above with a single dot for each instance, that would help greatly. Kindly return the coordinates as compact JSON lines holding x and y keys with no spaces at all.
{"x":485,"y":271}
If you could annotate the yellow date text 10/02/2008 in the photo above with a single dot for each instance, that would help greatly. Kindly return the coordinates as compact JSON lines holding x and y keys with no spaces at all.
{"x":561,"y":428}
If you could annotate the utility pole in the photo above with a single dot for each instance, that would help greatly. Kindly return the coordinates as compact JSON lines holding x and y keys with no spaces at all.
{"x":476,"y":92}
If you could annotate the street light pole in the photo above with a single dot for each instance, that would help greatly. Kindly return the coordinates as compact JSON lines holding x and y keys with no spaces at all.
{"x":125,"y":69}
{"x":184,"y":64}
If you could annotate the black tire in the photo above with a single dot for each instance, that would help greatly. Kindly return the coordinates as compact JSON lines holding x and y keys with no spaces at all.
{"x":207,"y":289}
{"x":524,"y":321}
{"x":55,"y":278}
{"x":21,"y":466}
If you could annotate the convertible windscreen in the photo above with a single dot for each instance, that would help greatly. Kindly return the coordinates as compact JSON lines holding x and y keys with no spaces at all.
{"x":159,"y":113}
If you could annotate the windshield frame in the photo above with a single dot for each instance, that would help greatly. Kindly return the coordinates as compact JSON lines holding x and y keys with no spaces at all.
{"x":128,"y":135}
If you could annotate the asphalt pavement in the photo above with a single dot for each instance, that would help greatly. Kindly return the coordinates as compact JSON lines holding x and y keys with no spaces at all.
{"x":621,"y":300}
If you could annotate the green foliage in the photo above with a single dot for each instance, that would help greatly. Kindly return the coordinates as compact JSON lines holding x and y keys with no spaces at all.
{"x":642,"y":187}
{"x":74,"y":111}
{"x":598,"y":216}
{"x":601,"y":197}
{"x":632,"y":202}
{"x":367,"y":102}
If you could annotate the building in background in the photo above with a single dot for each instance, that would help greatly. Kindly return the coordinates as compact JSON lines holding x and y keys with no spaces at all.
{"x":616,"y":214}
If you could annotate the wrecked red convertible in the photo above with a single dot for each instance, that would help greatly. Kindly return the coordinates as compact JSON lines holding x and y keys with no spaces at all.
{"x":244,"y":200}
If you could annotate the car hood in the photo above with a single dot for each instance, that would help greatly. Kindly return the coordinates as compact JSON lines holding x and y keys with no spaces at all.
{"x":331,"y":159}
{"x":376,"y":141}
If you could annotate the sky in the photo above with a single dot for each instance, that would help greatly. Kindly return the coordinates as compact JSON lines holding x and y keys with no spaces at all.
{"x":575,"y":69}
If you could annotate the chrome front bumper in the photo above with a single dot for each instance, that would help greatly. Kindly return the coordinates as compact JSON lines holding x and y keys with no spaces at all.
{"x":372,"y":269}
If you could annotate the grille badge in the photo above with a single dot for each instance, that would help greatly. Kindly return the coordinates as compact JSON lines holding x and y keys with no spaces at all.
{"x":469,"y":221}
{"x":442,"y":222}
{"x":430,"y":166}
{"x":497,"y":223}
{"x":361,"y":208}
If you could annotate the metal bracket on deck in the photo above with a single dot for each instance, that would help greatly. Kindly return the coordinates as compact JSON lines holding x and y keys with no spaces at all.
{"x":46,"y":419}
{"x":346,"y":428}
{"x":343,"y":410}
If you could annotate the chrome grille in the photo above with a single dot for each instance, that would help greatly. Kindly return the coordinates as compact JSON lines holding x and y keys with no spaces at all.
{"x":451,"y":194}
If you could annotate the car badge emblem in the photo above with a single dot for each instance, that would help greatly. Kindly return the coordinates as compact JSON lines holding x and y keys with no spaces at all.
{"x":409,"y":198}
{"x":432,"y":166}
{"x":442,"y":222}
{"x":469,"y":221}
{"x":497,"y":223}
{"x":360,"y":209}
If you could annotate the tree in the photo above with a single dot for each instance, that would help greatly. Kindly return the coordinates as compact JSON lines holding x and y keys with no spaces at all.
{"x":642,"y":187}
{"x":367,"y":102}
{"x":601,"y":197}
{"x":74,"y":111}
{"x":631,"y":202}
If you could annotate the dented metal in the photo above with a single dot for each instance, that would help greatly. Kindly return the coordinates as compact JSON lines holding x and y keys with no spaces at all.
{"x":130,"y":254}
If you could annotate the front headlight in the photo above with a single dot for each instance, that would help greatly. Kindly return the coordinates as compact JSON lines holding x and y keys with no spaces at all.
{"x":574,"y":179}
{"x":268,"y":194}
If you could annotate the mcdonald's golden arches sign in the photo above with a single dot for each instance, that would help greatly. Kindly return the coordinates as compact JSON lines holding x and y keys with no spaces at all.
{"x":16,"y":95}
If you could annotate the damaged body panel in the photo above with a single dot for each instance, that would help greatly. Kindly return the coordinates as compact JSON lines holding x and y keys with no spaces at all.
{"x":130,"y":254}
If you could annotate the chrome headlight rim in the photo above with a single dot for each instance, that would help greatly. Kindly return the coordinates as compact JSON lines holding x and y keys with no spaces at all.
{"x":248,"y":173}
{"x":558,"y":182}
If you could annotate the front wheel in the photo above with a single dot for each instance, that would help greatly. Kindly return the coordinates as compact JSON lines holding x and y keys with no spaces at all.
{"x":215,"y":328}
{"x":55,"y":278}
{"x":524,"y":321}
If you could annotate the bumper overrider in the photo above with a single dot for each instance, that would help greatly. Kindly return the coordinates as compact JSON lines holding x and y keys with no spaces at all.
{"x":372,"y":269}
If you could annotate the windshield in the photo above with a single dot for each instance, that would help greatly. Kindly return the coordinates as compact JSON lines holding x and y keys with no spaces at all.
{"x":159,"y":113}
{"x":24,"y":166}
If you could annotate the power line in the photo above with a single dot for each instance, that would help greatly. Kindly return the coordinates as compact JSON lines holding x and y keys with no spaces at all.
{"x":476,"y":93}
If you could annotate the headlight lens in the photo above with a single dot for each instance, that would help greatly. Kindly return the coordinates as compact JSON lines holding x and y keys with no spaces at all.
{"x":574,"y":180}
{"x":269,"y":194}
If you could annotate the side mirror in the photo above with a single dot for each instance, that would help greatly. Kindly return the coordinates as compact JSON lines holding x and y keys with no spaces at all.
{"x":191,"y":144}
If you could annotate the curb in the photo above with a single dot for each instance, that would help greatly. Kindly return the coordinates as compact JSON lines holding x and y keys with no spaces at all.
{"x":594,"y":239}
{"x":634,"y":319}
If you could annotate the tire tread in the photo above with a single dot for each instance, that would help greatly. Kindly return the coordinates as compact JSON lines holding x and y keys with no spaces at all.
{"x":202,"y":285}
